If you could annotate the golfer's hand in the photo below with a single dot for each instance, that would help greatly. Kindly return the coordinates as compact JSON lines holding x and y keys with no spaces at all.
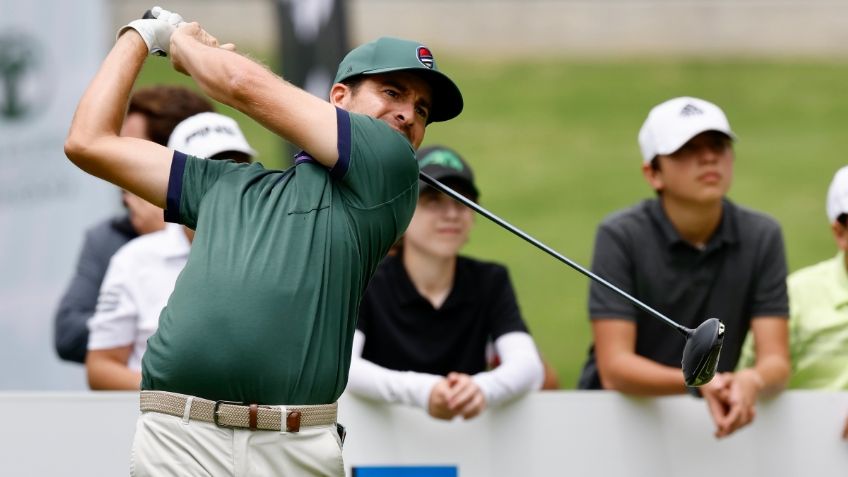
{"x":156,"y":32}
{"x":189,"y":35}
{"x":466,"y":398}
{"x":438,"y":403}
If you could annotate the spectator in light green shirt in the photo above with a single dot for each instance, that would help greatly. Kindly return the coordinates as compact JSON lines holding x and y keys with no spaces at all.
{"x":818,"y":309}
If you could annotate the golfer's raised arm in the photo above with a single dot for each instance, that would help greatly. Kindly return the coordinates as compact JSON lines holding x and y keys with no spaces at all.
{"x":93,"y":142}
{"x":256,"y":91}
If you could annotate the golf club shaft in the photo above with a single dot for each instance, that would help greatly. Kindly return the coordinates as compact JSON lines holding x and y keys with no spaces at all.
{"x":494,"y":218}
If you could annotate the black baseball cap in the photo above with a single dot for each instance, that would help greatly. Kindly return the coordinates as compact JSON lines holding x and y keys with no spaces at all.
{"x":447,"y":166}
{"x":387,"y":54}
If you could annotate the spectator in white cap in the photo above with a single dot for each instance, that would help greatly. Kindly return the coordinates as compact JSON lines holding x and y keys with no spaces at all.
{"x":142,"y":273}
{"x":692,"y":254}
{"x":818,"y":317}
{"x":213,"y":136}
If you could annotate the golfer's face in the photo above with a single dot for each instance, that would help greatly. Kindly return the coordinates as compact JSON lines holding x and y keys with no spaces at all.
{"x":400,"y":99}
{"x":701,"y":170}
{"x":440,"y":225}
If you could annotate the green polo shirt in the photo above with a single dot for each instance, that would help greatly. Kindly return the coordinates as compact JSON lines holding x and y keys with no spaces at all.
{"x":266,"y":307}
{"x":818,"y":327}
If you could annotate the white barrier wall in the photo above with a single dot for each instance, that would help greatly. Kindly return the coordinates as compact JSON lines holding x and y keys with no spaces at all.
{"x":588,"y":433}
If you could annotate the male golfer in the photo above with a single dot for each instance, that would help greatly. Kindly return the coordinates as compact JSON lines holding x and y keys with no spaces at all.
{"x":263,"y":314}
{"x":695,"y":254}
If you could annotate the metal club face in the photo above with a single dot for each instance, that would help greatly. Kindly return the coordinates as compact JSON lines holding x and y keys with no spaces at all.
{"x":700,"y":355}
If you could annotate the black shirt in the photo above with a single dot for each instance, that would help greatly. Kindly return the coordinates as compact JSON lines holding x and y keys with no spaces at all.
{"x":404,"y":332}
{"x":740,"y":274}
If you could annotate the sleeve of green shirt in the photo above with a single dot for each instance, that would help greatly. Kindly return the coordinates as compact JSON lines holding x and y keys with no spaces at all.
{"x":189,"y":181}
{"x":381,"y":163}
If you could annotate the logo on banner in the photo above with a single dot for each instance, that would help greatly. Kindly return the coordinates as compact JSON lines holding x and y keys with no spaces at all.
{"x":425,"y":57}
{"x":24,"y":81}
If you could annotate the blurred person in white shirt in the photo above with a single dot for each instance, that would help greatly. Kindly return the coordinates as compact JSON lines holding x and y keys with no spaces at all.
{"x":142,"y":273}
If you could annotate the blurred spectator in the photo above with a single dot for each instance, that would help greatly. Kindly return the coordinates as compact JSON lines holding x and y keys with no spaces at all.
{"x":818,"y":315}
{"x":692,"y":254}
{"x":428,"y":313}
{"x":142,"y":273}
{"x":152,"y":114}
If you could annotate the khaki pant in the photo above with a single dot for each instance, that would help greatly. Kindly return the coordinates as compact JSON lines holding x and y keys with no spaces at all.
{"x":166,"y":445}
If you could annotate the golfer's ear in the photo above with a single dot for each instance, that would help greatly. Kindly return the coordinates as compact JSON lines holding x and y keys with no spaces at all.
{"x":340,"y":94}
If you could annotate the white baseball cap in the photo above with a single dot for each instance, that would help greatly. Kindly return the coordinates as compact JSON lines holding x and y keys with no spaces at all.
{"x":837,"y":195}
{"x":207,"y":134}
{"x":673,"y":123}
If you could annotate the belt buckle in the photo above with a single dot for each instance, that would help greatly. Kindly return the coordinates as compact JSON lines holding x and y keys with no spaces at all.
{"x":215,"y":412}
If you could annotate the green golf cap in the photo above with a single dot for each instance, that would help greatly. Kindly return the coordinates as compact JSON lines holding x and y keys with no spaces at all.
{"x":386,"y":54}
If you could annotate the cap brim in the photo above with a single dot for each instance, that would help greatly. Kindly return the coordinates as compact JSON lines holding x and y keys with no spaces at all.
{"x":683,"y":139}
{"x":457,"y":183}
{"x":447,"y":99}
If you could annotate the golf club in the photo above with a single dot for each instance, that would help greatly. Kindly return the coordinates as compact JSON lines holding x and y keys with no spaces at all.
{"x":703,"y":344}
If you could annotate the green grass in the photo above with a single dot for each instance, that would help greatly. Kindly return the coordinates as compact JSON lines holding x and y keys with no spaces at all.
{"x":553,"y":143}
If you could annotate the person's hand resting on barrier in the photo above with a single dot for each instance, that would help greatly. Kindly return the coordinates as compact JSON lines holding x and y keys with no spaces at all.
{"x":732,"y":399}
{"x":743,"y":389}
{"x":438,"y":404}
{"x":845,"y":430}
{"x":716,"y":393}
{"x":456,"y":395}
{"x":466,"y":399}
{"x":156,"y":32}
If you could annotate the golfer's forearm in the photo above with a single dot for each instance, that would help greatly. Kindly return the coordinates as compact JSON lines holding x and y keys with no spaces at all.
{"x":101,"y":110}
{"x":216,"y":71}
{"x":256,"y":91}
{"x":636,"y":375}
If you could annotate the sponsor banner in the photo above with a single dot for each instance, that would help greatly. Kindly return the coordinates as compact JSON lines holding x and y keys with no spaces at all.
{"x":46,"y":60}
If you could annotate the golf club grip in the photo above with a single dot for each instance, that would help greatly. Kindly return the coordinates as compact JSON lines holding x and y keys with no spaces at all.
{"x":494,"y":218}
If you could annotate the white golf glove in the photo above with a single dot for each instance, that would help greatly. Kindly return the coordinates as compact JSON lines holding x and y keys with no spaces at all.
{"x":156,"y":32}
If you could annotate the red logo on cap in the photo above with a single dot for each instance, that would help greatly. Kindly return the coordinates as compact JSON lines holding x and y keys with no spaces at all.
{"x":425,"y":57}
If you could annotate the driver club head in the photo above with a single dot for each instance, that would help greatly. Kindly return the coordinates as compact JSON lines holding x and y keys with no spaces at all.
{"x":700,"y":354}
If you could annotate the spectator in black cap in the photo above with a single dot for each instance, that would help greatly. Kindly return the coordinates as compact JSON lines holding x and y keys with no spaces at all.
{"x":428,"y":313}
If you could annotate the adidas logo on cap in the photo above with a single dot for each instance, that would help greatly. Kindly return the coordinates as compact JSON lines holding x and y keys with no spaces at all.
{"x":690,"y":110}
